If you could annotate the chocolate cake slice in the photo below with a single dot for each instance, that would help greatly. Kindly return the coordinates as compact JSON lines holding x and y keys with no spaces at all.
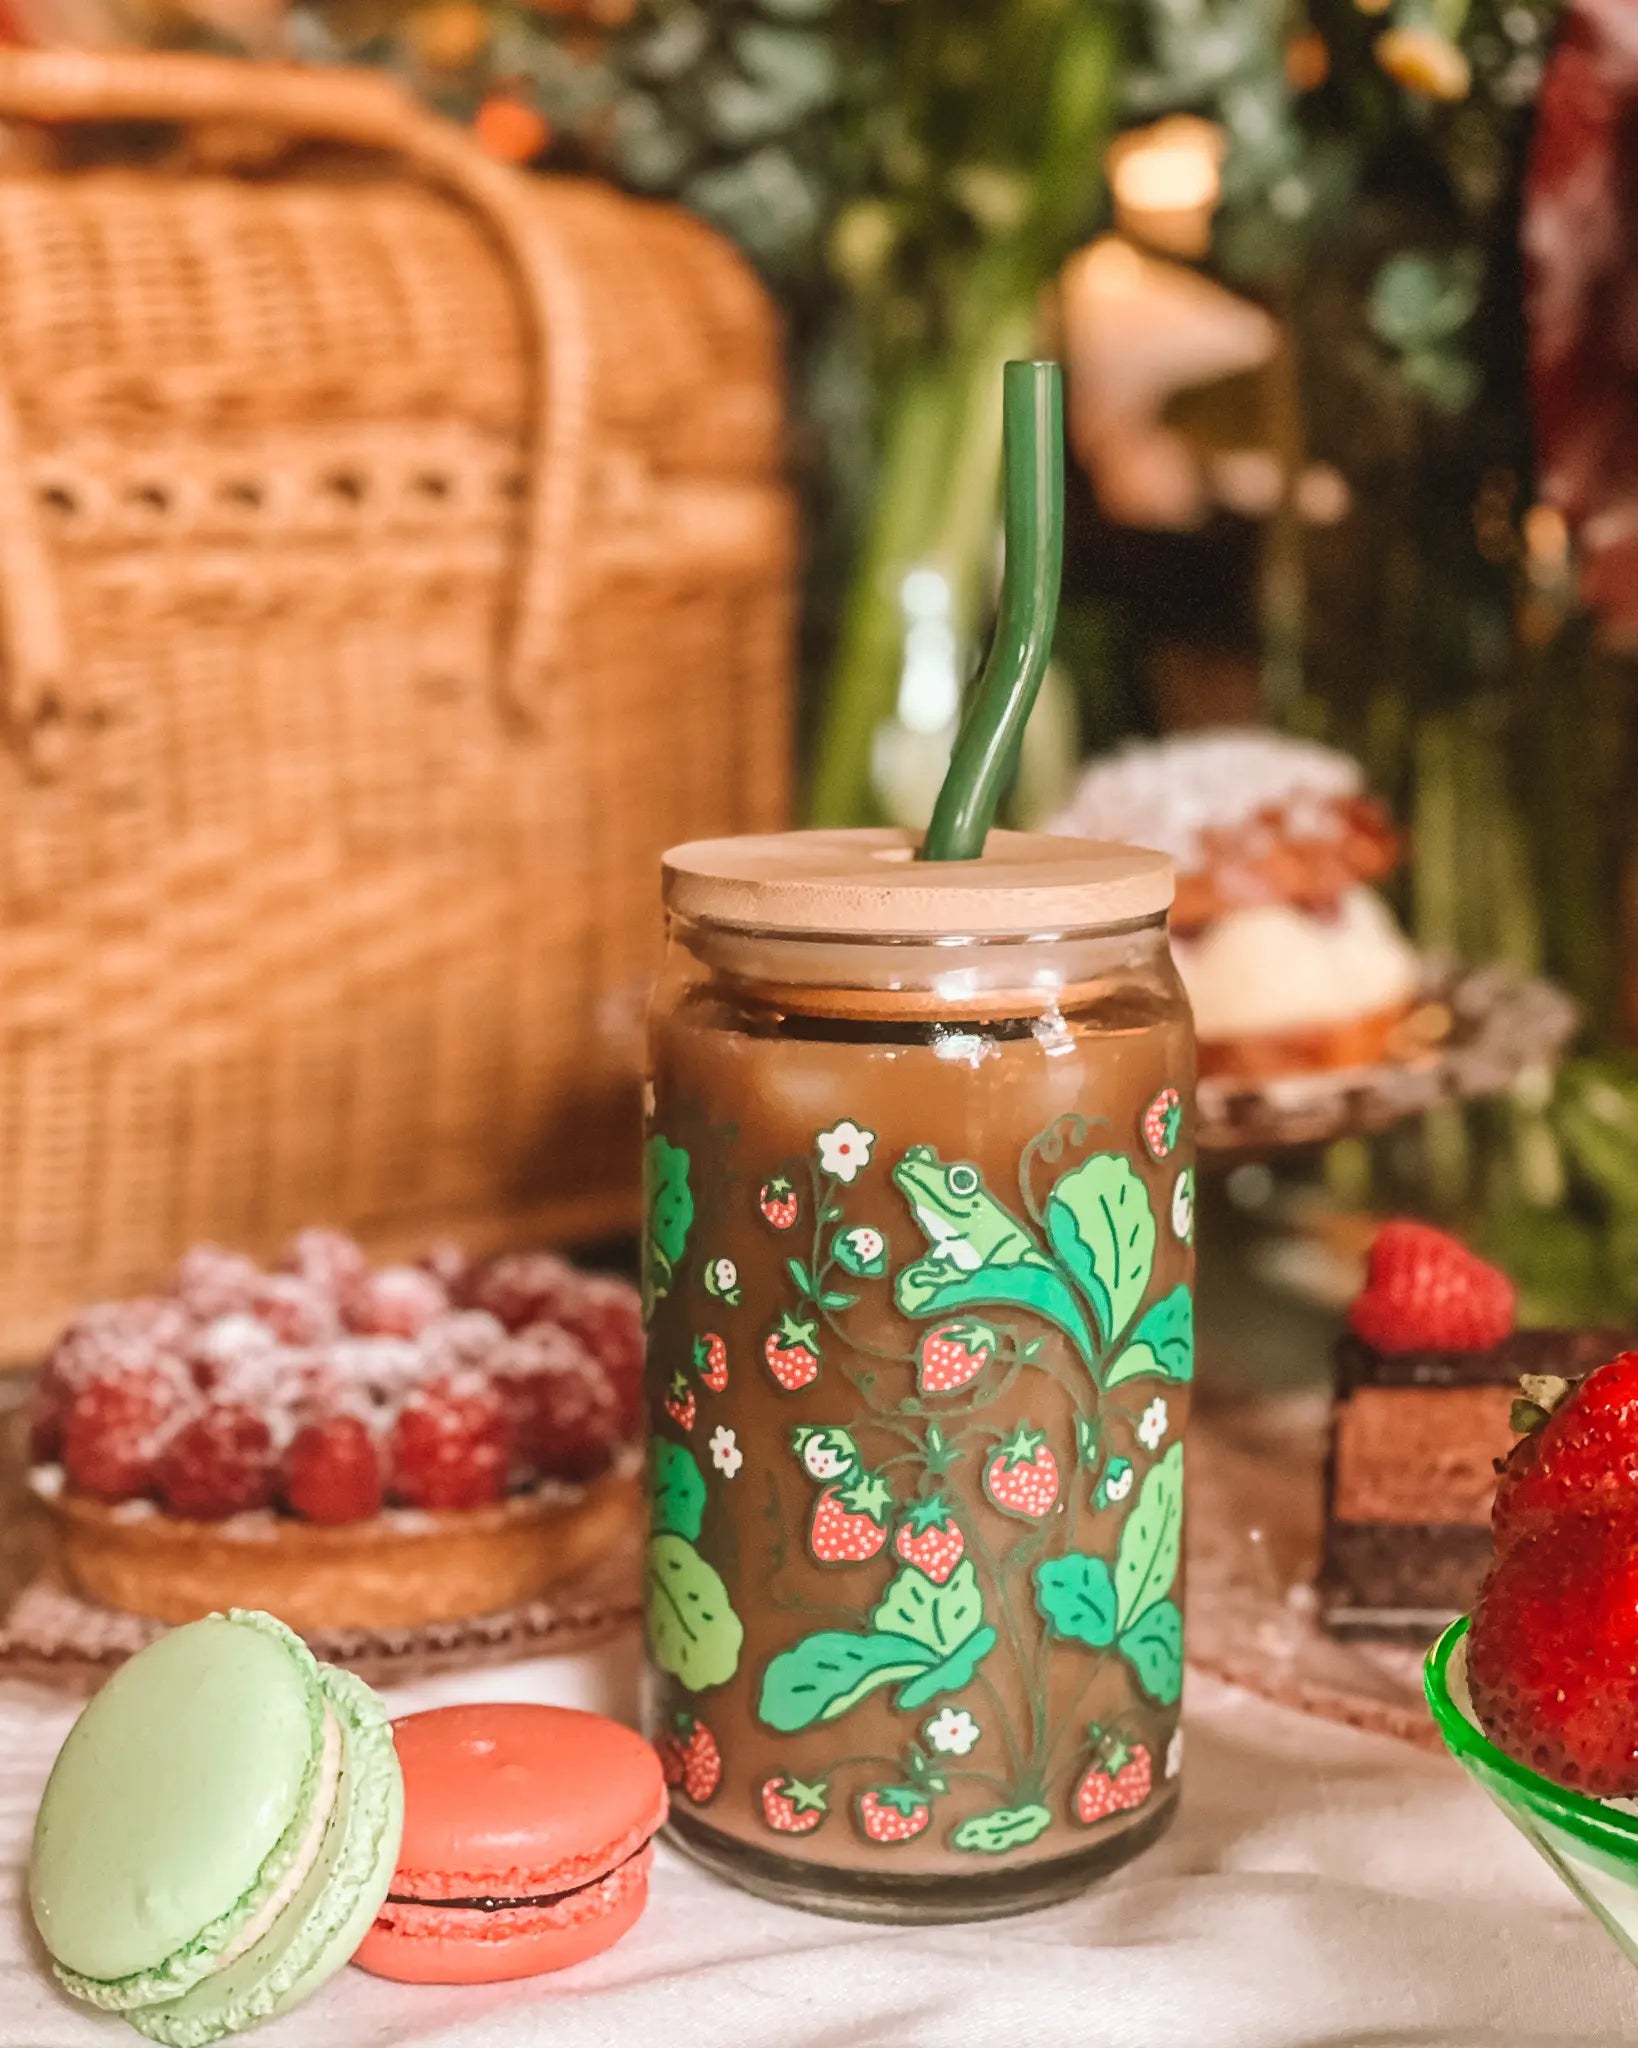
{"x":1415,"y":1436}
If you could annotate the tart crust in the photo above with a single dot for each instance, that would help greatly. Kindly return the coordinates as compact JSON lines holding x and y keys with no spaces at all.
{"x":401,"y":1569}
{"x":1276,"y":1055}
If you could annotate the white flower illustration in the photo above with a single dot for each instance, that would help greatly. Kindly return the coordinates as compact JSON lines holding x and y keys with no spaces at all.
{"x":844,"y":1150}
{"x":1174,"y":1753}
{"x":1153,"y":1426}
{"x":726,"y":1274}
{"x":726,"y":1454}
{"x":952,"y":1731}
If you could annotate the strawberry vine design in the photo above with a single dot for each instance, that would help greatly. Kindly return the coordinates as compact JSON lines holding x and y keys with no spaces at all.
{"x":1076,"y":1253}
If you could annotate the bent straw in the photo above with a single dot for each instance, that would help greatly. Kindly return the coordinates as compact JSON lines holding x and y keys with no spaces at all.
{"x":985,"y":756}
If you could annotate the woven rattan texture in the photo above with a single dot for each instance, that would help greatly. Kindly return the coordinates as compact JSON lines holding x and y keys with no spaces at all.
{"x":301,"y":916}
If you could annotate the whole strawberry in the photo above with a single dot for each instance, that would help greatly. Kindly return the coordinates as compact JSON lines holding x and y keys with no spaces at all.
{"x":892,"y":1813}
{"x":791,"y":1807}
{"x":711,"y":1361}
{"x":1425,"y":1291}
{"x":849,"y":1524}
{"x":953,"y":1354}
{"x":1552,"y":1653}
{"x":1119,"y":1778}
{"x":690,"y":1759}
{"x":778,"y":1203}
{"x":1581,"y":1459}
{"x":792,"y":1352}
{"x":928,"y":1539}
{"x":1022,"y":1478}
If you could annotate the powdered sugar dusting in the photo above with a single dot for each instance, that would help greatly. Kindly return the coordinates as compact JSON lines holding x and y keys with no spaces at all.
{"x":1168,"y":794}
{"x":189,"y":1384}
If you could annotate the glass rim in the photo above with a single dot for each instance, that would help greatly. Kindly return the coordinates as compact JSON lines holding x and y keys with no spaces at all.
{"x":1591,"y":1821}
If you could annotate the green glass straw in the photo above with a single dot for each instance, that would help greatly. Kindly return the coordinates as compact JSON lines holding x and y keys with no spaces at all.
{"x":985,"y":755}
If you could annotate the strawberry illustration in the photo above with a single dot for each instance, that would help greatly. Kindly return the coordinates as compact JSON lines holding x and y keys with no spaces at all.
{"x":1117,"y":1779}
{"x":711,"y":1361}
{"x":778,"y":1203}
{"x":791,"y":1807}
{"x":892,"y":1813}
{"x":1022,"y":1477}
{"x":825,"y":1453}
{"x":690,"y":1759}
{"x":929,"y":1540}
{"x":792,"y":1352}
{"x":1162,"y":1121}
{"x":953,"y":1354}
{"x":849,"y":1521}
{"x":679,"y":1402}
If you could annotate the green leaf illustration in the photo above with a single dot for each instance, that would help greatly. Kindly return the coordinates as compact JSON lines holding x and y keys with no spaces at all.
{"x":1008,"y":1827}
{"x":669,"y":1202}
{"x":1076,"y":1598}
{"x":693,"y":1631}
{"x":676,"y":1491}
{"x":800,"y":1274}
{"x":1102,"y":1228}
{"x":1162,"y":1346}
{"x":1153,"y":1646}
{"x":1151,"y":1542}
{"x":825,"y":1674}
{"x":941,"y":1617}
{"x":950,"y":1674}
{"x":835,"y":1299}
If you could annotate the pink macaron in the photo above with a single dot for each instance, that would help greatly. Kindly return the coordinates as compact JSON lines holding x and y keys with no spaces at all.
{"x":526,"y":1847}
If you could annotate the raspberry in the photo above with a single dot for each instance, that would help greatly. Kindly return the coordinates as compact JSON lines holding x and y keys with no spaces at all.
{"x":448,"y":1446}
{"x":448,"y":1264}
{"x":113,"y":1337}
{"x":235,"y":1349}
{"x":607,"y":1317}
{"x":218,"y":1464}
{"x":376,"y":1370}
{"x":211,"y":1282}
{"x":330,"y":1260}
{"x":562,"y":1411}
{"x":1425,"y":1291}
{"x":395,"y":1301}
{"x":524,"y":1287}
{"x":294,"y":1309}
{"x":332,"y":1471}
{"x":116,"y":1428}
{"x":466,"y":1340}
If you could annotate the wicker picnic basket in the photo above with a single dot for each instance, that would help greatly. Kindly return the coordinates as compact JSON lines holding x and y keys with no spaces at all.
{"x":393,"y":559}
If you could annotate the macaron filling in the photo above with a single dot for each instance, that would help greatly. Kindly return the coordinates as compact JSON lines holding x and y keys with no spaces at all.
{"x":484,"y":1917}
{"x":307,"y":1850}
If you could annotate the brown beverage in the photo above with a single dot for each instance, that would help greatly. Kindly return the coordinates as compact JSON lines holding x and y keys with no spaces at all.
{"x":921,"y":1344}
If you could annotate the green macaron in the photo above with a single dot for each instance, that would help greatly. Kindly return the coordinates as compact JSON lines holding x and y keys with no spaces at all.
{"x":218,"y":1831}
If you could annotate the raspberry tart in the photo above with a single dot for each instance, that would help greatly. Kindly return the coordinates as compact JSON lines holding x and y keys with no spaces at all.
{"x":345,"y":1446}
{"x":1292,"y":961}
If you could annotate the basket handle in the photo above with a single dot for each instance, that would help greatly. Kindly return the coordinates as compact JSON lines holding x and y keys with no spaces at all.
{"x":366,"y":110}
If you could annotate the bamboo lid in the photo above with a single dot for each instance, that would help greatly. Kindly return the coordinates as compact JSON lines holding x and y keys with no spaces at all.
{"x":868,"y":883}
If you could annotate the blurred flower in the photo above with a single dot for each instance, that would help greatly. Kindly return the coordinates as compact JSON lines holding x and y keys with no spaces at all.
{"x":1307,"y":61}
{"x":448,"y":37}
{"x":1422,"y":60}
{"x":1580,"y":238}
{"x":511,"y":131}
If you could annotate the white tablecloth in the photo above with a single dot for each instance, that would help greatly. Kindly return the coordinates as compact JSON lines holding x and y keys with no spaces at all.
{"x":1320,"y":1888}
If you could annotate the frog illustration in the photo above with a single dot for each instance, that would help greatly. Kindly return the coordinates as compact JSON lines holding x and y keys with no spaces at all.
{"x":977,"y":1250}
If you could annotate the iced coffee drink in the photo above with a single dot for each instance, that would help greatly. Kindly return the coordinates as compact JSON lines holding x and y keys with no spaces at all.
{"x":919,"y":1256}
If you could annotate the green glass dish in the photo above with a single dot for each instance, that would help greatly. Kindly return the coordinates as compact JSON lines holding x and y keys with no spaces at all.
{"x":1591,"y":1843}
